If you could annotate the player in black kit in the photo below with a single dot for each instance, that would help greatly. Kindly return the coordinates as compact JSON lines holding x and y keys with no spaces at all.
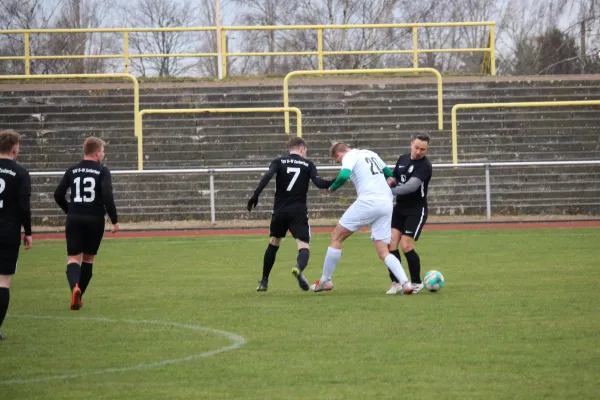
{"x":15,"y":210}
{"x":411,"y":175}
{"x":91,"y":198}
{"x":289,"y":212}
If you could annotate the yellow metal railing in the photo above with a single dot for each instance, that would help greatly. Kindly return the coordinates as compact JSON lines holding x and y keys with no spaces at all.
{"x":215,"y":111}
{"x":509,"y":105}
{"x":136,"y":93}
{"x":286,"y":99}
{"x":223,"y":53}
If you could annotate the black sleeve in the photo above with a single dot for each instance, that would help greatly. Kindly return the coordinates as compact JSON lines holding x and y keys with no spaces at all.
{"x":317,"y":180}
{"x":107,"y":196}
{"x":424,"y":173}
{"x":25,"y":204}
{"x":264,"y":181}
{"x":61,"y":192}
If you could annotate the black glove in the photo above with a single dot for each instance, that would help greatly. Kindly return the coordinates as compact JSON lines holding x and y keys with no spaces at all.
{"x":252,"y":203}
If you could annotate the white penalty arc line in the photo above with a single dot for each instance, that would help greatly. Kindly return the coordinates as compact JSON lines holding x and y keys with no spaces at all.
{"x":238,"y":341}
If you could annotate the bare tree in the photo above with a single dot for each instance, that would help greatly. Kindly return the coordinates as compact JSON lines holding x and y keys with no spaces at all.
{"x":14,"y":15}
{"x":162,"y":14}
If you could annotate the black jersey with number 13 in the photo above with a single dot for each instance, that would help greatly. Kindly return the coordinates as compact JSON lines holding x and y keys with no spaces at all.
{"x":91,"y":191}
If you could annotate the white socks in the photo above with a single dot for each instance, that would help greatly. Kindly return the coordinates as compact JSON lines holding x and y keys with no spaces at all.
{"x":331,"y":259}
{"x":394,"y":265}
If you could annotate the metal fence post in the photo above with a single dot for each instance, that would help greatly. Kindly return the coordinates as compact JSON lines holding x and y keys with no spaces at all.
{"x":213,"y":218}
{"x":488,"y":194}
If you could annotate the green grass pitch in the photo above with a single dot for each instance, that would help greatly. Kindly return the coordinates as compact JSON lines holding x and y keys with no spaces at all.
{"x":519,"y":318}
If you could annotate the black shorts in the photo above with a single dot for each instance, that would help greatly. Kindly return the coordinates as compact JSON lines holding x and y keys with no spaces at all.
{"x":9,"y":255}
{"x":293,"y":219}
{"x":84,"y":234}
{"x":410,"y":224}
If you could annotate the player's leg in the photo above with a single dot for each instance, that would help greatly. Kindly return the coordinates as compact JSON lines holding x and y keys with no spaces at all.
{"x":9,"y":254}
{"x":393,"y":247}
{"x":74,"y":232}
{"x":73,"y":276}
{"x":414,"y":226}
{"x":332,"y":257}
{"x":268,"y":262}
{"x":301,"y":263}
{"x":300,"y":229}
{"x":381,"y":234}
{"x":4,"y":299}
{"x":87,"y":265}
{"x":398,"y":220}
{"x":95,"y":233}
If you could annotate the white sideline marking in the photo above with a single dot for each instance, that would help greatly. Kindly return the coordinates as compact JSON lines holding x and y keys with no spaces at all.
{"x":238,"y":341}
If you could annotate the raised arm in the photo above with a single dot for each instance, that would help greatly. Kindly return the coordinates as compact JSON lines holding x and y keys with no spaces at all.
{"x":61,"y":192}
{"x":264,"y":181}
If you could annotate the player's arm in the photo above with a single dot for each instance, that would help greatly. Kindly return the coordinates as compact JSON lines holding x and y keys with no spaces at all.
{"x":317,"y":180}
{"x":409,"y":187}
{"x":348,"y":163}
{"x":24,"y":204}
{"x":415,"y":182}
{"x":387,"y":172}
{"x":341,"y":179}
{"x":61,"y":192}
{"x":264,"y":181}
{"x":108,"y":197}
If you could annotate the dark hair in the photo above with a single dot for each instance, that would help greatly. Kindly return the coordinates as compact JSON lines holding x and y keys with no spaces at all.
{"x":92,"y":145}
{"x":8,"y":139}
{"x":297,"y":142}
{"x":337,"y":147}
{"x":422,"y":136}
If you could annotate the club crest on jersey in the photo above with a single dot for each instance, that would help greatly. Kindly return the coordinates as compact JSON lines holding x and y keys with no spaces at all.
{"x":402,"y":178}
{"x":410,"y":169}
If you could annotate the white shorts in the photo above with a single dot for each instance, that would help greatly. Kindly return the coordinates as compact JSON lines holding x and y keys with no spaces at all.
{"x":376,"y":214}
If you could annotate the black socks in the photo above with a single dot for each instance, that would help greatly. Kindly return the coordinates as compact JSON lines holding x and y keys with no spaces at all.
{"x":4,"y":299}
{"x":269,"y":260}
{"x":86,"y":276}
{"x":73,"y":274}
{"x":303,"y":255}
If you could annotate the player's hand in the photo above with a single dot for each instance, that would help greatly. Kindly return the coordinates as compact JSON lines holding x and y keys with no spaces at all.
{"x":27,"y":242}
{"x":252,"y":203}
{"x":391,"y":181}
{"x":115,"y":228}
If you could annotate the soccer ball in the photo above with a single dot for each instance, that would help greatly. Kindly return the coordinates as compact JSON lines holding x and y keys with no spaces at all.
{"x":433,"y":280}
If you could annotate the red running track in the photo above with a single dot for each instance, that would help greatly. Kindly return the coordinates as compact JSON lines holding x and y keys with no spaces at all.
{"x":265,"y":231}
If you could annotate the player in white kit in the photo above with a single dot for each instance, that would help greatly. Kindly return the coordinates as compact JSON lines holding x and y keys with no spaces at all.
{"x":373,"y":207}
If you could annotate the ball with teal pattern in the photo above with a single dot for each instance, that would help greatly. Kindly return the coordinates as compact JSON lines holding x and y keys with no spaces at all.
{"x":433,"y":281}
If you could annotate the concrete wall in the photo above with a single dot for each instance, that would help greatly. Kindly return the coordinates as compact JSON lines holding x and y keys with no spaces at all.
{"x":380,"y":115}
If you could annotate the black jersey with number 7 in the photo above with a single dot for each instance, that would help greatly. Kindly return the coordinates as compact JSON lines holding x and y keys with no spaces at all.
{"x":293,"y":176}
{"x":91,"y":191}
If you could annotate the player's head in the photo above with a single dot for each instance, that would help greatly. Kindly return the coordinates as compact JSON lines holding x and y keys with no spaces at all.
{"x":338,"y":151}
{"x":419,"y":146}
{"x":9,"y":143}
{"x":298,"y":146}
{"x":93,"y":149}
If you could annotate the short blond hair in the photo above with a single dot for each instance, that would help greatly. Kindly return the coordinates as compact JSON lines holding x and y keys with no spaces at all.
{"x":92,"y":145}
{"x":338,"y":147}
{"x":8,"y":139}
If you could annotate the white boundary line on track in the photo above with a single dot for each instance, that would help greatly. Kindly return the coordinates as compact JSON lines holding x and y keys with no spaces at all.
{"x":238,"y":341}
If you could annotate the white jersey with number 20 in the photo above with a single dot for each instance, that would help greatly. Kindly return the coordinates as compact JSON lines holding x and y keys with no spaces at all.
{"x":367,"y":174}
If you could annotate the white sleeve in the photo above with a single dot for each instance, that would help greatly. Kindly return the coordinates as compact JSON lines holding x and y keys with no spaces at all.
{"x":349,"y":160}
